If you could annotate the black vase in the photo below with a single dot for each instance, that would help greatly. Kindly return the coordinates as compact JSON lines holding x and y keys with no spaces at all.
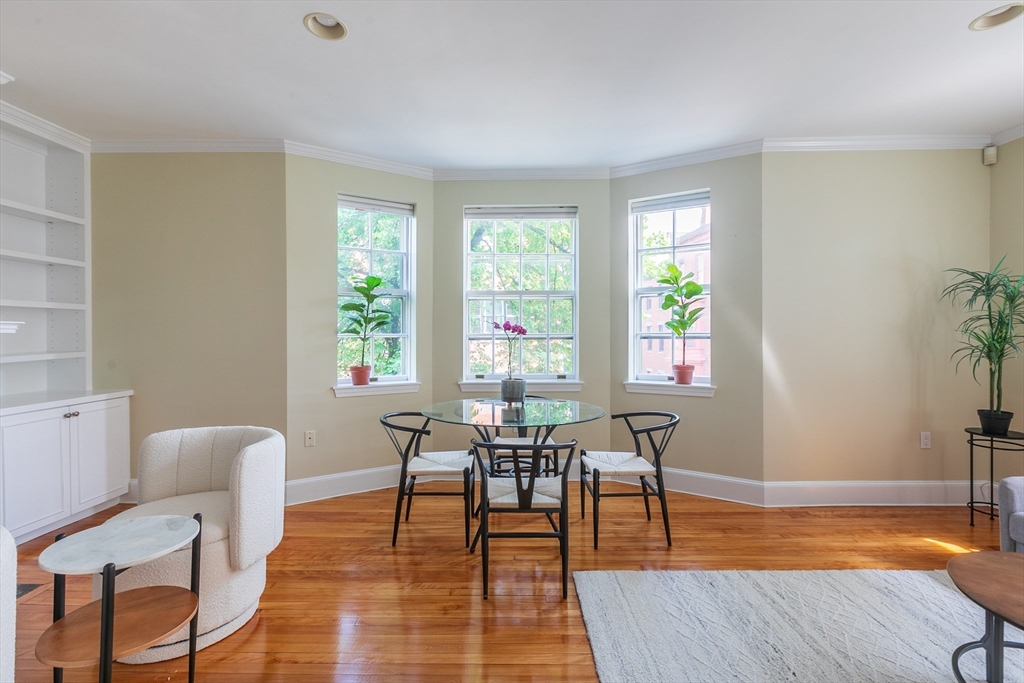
{"x":995,"y":422}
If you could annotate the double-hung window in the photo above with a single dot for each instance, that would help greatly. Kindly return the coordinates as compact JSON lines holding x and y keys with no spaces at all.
{"x":671,"y":229}
{"x":520,"y":267}
{"x":375,"y":238}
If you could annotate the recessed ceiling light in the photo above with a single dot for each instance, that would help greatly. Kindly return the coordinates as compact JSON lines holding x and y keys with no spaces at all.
{"x":998,"y":16}
{"x":325,"y":26}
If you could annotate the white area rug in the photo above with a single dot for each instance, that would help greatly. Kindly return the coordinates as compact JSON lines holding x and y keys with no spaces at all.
{"x":795,"y":626}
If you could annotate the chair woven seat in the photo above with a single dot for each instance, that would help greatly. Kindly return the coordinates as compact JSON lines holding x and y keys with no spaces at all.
{"x":617,"y":463}
{"x":501,"y":493}
{"x":441,"y":462}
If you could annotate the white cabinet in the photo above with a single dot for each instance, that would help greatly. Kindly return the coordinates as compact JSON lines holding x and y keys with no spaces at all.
{"x":35,"y":470}
{"x":60,"y":462}
{"x":45,"y":278}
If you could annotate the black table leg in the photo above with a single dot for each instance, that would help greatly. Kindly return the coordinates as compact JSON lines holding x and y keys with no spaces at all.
{"x":193,"y":627}
{"x":993,"y":644}
{"x":107,"y":624}
{"x":58,"y":610}
{"x":991,"y":477}
{"x":970,"y":496}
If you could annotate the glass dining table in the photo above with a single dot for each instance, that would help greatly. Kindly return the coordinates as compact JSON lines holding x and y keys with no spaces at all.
{"x":542,"y":415}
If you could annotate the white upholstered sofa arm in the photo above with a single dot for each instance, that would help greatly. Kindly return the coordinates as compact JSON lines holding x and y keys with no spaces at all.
{"x":256,"y":490}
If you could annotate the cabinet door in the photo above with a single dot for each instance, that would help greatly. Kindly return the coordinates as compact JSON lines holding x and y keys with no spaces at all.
{"x":34,"y":465}
{"x":99,"y":452}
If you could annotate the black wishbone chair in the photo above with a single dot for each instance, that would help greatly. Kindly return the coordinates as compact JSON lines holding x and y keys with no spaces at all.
{"x":597,"y":464}
{"x":524,"y":491}
{"x":523,"y":437}
{"x":415,"y":463}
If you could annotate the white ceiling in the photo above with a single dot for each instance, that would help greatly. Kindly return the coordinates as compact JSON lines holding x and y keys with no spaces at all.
{"x":477,"y":85}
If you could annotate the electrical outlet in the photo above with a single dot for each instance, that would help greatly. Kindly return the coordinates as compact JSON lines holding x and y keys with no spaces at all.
{"x":926,"y":439}
{"x":311,"y":438}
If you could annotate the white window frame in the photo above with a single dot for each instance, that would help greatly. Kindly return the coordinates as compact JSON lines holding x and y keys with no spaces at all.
{"x":538,"y":381}
{"x":638,"y":382}
{"x":406,"y":381}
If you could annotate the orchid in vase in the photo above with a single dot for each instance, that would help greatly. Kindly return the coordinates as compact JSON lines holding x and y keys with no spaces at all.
{"x":512,"y":332}
{"x":512,"y":390}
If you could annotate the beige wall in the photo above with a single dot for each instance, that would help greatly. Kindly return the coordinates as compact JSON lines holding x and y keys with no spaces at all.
{"x":856,"y":342}
{"x":1007,"y":239}
{"x":189,"y":287}
{"x":348,"y":436}
{"x":215,"y":288}
{"x":591,"y":196}
{"x":721,"y":435}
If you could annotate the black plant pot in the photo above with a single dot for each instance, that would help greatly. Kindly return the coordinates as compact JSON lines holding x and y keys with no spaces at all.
{"x":995,"y":421}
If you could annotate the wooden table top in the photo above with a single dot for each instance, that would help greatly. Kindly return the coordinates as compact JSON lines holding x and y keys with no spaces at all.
{"x":142,"y":617}
{"x":994,"y":580}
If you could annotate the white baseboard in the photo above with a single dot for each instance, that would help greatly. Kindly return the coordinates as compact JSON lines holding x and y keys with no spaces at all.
{"x":819,"y":493}
{"x":342,"y":484}
{"x":732,"y":489}
{"x":133,"y":492}
{"x":816,"y":493}
{"x":715,"y":486}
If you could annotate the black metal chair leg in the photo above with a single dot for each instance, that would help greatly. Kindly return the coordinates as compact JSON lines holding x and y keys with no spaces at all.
{"x":647,"y":499}
{"x":467,"y":488}
{"x":398,"y":512}
{"x":597,"y":501}
{"x":484,"y":546}
{"x":583,"y":492}
{"x":472,"y":494}
{"x":408,"y":497}
{"x":563,"y":521}
{"x":664,"y":510}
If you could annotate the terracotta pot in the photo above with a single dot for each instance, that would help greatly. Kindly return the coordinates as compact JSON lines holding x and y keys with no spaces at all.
{"x":683,"y":374}
{"x":360,"y":374}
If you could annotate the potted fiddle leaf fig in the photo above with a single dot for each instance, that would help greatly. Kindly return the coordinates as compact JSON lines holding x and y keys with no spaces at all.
{"x":679,"y":298}
{"x":992,"y":331}
{"x":364,"y":318}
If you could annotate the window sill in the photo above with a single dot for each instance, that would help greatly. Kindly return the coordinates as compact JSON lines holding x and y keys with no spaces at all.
{"x":376,"y":389}
{"x":477,"y":386}
{"x":670,"y":388}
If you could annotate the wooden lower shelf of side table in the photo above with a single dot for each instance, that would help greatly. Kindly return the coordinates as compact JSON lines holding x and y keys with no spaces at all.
{"x":142,"y":617}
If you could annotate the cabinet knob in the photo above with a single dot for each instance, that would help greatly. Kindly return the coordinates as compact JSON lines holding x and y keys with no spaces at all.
{"x":67,"y":414}
{"x":75,"y":414}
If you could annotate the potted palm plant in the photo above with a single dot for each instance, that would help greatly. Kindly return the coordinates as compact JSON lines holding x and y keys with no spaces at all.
{"x":679,"y":298}
{"x":992,"y":331}
{"x":363,"y":320}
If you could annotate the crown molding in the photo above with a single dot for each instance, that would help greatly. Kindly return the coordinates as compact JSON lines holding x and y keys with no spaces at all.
{"x":1008,"y":135}
{"x":314,"y":152}
{"x":43,"y":128}
{"x":689,"y":159}
{"x":580,"y":173}
{"x":876,"y":143}
{"x":839,"y":144}
{"x":185,"y":146}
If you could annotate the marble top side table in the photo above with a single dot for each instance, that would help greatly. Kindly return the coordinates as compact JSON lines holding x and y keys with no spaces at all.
{"x":142,"y":617}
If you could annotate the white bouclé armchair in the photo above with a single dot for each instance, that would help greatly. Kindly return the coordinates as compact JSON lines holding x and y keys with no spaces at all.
{"x":234,"y":476}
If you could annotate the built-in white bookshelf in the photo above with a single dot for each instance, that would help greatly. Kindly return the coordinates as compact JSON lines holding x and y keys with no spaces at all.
{"x":45,"y":278}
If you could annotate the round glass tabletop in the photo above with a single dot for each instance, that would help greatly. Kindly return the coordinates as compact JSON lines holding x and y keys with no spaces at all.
{"x":533,"y":412}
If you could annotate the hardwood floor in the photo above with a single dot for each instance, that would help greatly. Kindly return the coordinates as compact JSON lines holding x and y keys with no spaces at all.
{"x":342,"y":605}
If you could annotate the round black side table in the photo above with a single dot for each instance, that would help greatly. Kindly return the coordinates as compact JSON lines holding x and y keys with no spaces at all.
{"x":1011,"y":441}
